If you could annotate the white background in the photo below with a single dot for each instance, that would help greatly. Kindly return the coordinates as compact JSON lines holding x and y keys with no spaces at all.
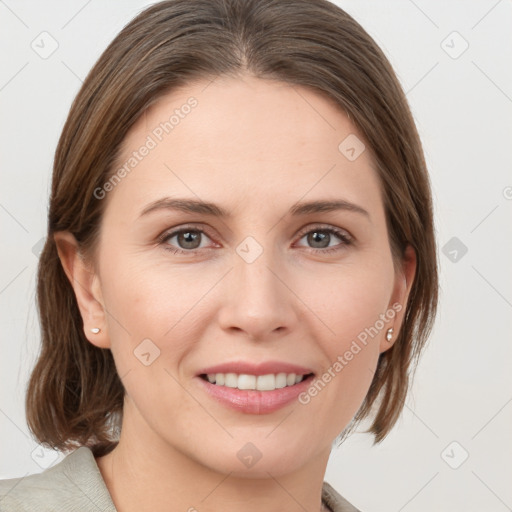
{"x":462,"y":107}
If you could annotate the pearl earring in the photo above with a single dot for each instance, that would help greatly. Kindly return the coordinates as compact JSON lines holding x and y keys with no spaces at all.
{"x":95,"y":330}
{"x":389,"y":334}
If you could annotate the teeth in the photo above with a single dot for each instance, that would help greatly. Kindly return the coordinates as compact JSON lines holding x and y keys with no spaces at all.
{"x":246,"y":381}
{"x":260,"y":382}
{"x":266,"y":382}
{"x":280,"y":380}
{"x":231,"y":380}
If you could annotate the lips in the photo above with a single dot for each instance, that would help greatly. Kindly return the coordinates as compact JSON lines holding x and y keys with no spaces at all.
{"x":253,"y":401}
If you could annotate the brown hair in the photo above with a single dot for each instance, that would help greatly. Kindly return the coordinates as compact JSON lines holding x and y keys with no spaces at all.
{"x":74,"y":395}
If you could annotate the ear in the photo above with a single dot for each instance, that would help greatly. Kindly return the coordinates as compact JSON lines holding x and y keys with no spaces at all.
{"x":400,"y":296}
{"x":86,"y":286}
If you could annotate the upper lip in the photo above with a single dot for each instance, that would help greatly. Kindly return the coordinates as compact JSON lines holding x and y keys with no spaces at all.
{"x":263,"y":368}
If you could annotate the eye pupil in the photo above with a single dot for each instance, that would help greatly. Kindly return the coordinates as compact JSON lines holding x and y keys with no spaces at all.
{"x":188,"y":237}
{"x":316,"y":236}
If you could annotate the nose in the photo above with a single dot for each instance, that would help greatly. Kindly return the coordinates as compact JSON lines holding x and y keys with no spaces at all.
{"x":258,"y":300}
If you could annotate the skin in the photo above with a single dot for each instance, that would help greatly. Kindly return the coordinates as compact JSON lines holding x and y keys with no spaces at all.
{"x":249,"y":142}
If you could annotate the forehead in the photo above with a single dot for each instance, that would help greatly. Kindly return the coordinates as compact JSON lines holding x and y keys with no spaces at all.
{"x":253,"y":138}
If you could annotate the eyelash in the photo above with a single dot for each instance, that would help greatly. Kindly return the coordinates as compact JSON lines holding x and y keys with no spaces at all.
{"x":345,"y":238}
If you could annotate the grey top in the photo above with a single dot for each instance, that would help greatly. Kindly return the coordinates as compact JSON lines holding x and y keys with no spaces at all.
{"x":76,"y":484}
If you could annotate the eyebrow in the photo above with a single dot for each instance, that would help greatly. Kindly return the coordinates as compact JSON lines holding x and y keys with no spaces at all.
{"x":207,"y":208}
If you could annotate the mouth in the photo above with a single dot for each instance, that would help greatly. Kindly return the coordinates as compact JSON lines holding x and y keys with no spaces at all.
{"x":255,"y":389}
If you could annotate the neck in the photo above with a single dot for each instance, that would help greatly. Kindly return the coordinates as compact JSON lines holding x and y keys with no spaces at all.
{"x":145,"y":473}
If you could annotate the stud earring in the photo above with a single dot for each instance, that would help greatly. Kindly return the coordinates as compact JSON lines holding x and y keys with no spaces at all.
{"x":389,"y":334}
{"x":95,"y":330}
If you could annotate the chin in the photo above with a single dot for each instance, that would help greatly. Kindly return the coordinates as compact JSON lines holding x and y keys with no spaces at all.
{"x":256,"y":454}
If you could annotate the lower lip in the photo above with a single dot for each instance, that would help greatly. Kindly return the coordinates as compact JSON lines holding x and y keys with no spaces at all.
{"x":251,"y":401}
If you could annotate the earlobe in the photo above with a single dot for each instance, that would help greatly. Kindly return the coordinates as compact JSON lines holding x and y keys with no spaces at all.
{"x":86,"y":286}
{"x":398,"y":303}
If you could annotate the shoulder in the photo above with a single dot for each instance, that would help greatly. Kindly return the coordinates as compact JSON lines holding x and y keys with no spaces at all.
{"x":335,"y":501}
{"x":75,"y":483}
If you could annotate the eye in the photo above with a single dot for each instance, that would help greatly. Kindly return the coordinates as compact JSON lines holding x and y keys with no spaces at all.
{"x":322,"y":236}
{"x":188,"y":238}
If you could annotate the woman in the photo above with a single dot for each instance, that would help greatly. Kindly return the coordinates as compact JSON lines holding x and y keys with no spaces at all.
{"x":240,"y":263}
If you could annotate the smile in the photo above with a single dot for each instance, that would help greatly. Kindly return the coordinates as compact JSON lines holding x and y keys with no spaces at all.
{"x":242,"y":393}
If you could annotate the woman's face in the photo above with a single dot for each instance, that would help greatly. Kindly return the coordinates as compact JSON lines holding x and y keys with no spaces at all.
{"x":262,"y":285}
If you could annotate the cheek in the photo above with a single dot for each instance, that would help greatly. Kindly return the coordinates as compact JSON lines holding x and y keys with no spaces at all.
{"x":350,"y":300}
{"x":147,"y":305}
{"x":350,"y":304}
{"x":150,"y":296}
{"x":151,"y":301}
